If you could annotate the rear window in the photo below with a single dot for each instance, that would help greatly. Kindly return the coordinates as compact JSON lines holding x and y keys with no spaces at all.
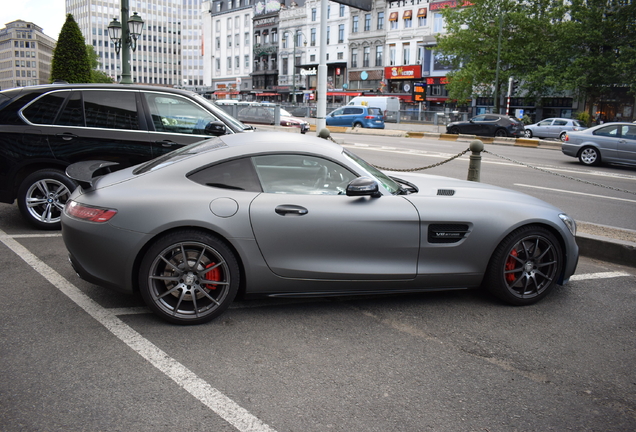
{"x":44,"y":110}
{"x":375,"y":111}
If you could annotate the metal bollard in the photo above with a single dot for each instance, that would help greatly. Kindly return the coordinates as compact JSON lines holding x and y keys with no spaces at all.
{"x":474,"y":166}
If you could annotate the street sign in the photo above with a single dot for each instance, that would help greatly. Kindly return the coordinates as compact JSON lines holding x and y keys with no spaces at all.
{"x":419,"y":92}
{"x":365,"y":5}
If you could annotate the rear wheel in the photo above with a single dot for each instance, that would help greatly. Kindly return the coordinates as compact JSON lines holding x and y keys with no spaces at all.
{"x":357,"y":124}
{"x":501,"y":133}
{"x":525,"y":266}
{"x":42,"y":196}
{"x":189,"y":277}
{"x":527,"y":133}
{"x":590,"y":156}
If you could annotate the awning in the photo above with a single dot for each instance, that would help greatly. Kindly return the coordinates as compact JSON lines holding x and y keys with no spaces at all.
{"x":339,"y":93}
{"x":407,"y":14}
{"x":266,"y":94}
{"x":225,"y":92}
{"x":393,"y":16}
{"x":421,"y":13}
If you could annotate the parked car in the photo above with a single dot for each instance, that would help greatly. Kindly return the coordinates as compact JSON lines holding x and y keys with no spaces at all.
{"x":356,"y":116}
{"x":389,"y":105}
{"x":609,"y":142}
{"x":498,"y":125}
{"x":284,"y":215}
{"x":43,"y":129}
{"x":553,"y":128}
{"x":264,"y":114}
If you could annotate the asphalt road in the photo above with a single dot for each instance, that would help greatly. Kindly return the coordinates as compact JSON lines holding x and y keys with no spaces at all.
{"x":76,"y":357}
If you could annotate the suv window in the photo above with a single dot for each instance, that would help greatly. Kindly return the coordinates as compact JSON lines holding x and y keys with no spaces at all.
{"x":111,"y":109}
{"x":375,"y":111}
{"x":171,"y":113}
{"x":44,"y":110}
{"x":73,"y":113}
{"x":353,"y":111}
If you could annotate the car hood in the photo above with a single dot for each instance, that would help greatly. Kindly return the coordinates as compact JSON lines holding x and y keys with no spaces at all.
{"x":431,"y":185}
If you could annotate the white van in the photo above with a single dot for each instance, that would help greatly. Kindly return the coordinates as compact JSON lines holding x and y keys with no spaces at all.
{"x":390,"y":105}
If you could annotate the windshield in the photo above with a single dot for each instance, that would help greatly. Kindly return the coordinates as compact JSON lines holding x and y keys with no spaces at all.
{"x":381,"y":178}
{"x":237,"y":125}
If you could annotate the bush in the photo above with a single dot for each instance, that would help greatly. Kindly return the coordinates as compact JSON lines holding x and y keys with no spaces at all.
{"x":583,"y":117}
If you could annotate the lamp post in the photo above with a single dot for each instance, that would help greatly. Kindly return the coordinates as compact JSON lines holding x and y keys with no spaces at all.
{"x":296,"y":33}
{"x":496,"y":102}
{"x":125,"y":33}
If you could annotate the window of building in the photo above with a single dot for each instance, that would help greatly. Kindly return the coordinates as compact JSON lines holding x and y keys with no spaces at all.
{"x":392,"y":55}
{"x":438,"y":23}
{"x":406,"y":49}
{"x":247,"y":62}
{"x":367,"y":22}
{"x":341,"y":33}
{"x":378,"y":55}
{"x":421,"y":17}
{"x":354,"y":57}
{"x":328,"y":31}
{"x":365,"y":56}
{"x":408,"y":18}
{"x":393,"y":19}
{"x":342,"y":10}
{"x":354,"y":25}
{"x":312,"y":37}
{"x":313,"y":14}
{"x":380,"y":20}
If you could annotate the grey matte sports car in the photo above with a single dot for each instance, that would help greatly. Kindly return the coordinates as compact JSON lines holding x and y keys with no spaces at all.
{"x":278,"y":214}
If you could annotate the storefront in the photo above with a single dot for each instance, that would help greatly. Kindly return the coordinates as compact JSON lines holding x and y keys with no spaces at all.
{"x":401,"y":80}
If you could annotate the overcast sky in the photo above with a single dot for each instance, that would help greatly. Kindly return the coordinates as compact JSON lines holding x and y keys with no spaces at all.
{"x":48,"y":14}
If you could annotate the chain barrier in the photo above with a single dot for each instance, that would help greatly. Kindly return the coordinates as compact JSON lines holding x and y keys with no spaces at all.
{"x":560,"y":175}
{"x":423,"y":168}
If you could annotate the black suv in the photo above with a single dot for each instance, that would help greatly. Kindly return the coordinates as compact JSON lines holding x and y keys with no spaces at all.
{"x":43,"y":129}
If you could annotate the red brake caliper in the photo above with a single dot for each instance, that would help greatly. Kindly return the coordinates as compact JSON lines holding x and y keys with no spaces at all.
{"x":214,"y":274}
{"x":510,"y":265}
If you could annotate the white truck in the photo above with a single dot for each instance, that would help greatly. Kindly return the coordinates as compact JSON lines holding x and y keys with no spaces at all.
{"x":390,"y":105}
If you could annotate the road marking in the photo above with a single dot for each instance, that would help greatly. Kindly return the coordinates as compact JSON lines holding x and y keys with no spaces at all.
{"x":575,"y":193}
{"x":226,"y":408}
{"x":601,"y":275}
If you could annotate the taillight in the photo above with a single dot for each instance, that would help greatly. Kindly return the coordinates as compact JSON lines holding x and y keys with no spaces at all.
{"x":567,"y":138}
{"x":88,"y":213}
{"x":369,"y":117}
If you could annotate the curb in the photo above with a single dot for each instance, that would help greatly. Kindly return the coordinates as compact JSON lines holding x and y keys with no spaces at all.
{"x":606,"y":249}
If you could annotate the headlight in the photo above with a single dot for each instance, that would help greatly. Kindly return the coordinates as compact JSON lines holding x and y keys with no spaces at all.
{"x":569,"y":222}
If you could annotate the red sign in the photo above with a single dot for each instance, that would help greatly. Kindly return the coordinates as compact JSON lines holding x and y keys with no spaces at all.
{"x":403,"y":72}
{"x":449,"y":4}
{"x":436,"y":80}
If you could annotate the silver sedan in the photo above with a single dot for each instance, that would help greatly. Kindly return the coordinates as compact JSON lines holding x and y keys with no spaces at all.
{"x":609,"y":143}
{"x":553,"y":128}
{"x":286,"y":215}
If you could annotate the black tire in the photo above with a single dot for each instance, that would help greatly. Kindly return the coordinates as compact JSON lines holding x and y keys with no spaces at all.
{"x":501,"y":133}
{"x":589,"y":156}
{"x":527,"y":133}
{"x":454,"y":131}
{"x":175,"y":288}
{"x":562,"y":136}
{"x":357,"y":124}
{"x":42,"y":196}
{"x":525,"y":266}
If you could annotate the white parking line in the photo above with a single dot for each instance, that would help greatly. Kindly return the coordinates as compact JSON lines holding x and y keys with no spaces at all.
{"x":601,"y":275}
{"x":575,"y":193}
{"x":227,"y":409}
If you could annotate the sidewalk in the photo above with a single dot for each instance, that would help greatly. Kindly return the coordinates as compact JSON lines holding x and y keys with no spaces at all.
{"x":605,"y":243}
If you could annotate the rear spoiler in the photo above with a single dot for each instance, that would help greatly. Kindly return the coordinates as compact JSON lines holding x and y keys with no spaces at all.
{"x":84,"y":172}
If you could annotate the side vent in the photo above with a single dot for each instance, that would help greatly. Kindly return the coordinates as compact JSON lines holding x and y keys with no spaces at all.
{"x":446,"y":233}
{"x":445,"y":192}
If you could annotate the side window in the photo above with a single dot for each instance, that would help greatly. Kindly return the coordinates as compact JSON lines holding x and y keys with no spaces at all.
{"x":479,"y":118}
{"x":629,"y":132}
{"x":44,"y":110}
{"x":111,"y":109}
{"x":545,"y":123}
{"x":491,"y":118}
{"x":338,"y":112}
{"x":300,"y":174}
{"x":236,"y":175}
{"x":609,"y":131}
{"x":172,"y":113}
{"x":560,"y":122}
{"x":73,"y":112}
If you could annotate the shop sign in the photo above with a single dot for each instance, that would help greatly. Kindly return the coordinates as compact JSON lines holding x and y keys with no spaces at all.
{"x":449,"y":4}
{"x":436,"y":80}
{"x":305,"y":72}
{"x":403,"y":72}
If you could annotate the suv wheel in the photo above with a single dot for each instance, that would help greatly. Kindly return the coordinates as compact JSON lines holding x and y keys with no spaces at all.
{"x":42,"y":196}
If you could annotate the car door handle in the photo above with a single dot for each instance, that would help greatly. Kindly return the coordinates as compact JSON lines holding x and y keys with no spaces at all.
{"x":66,"y":136}
{"x":289,"y":209}
{"x":166,"y":143}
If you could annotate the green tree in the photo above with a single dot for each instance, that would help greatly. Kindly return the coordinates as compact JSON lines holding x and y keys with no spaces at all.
{"x":551,"y":46}
{"x":70,"y":62}
{"x":97,"y":76}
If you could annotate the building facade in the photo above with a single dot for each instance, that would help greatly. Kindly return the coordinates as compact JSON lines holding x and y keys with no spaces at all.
{"x":25,"y":55}
{"x":168,"y":50}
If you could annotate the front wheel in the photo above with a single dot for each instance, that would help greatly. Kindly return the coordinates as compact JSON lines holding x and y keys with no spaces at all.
{"x":42,"y":196}
{"x":562,"y":136}
{"x":189,"y":277}
{"x":590,"y":156}
{"x":525,"y":266}
{"x":454,"y":131}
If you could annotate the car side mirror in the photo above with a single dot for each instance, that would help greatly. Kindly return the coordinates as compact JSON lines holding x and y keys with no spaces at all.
{"x":363,"y":186}
{"x":215,"y":128}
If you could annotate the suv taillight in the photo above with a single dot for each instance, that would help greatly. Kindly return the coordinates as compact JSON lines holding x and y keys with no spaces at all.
{"x":369,"y":117}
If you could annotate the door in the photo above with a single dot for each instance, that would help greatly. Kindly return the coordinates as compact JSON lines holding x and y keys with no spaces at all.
{"x":306,"y":227}
{"x":627,"y":144}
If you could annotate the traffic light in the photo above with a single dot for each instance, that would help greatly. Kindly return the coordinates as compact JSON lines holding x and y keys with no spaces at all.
{"x":513,"y":86}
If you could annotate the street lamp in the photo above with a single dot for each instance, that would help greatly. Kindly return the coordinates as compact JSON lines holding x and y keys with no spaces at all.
{"x":496,"y":102}
{"x":296,"y":33}
{"x":125,"y":34}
